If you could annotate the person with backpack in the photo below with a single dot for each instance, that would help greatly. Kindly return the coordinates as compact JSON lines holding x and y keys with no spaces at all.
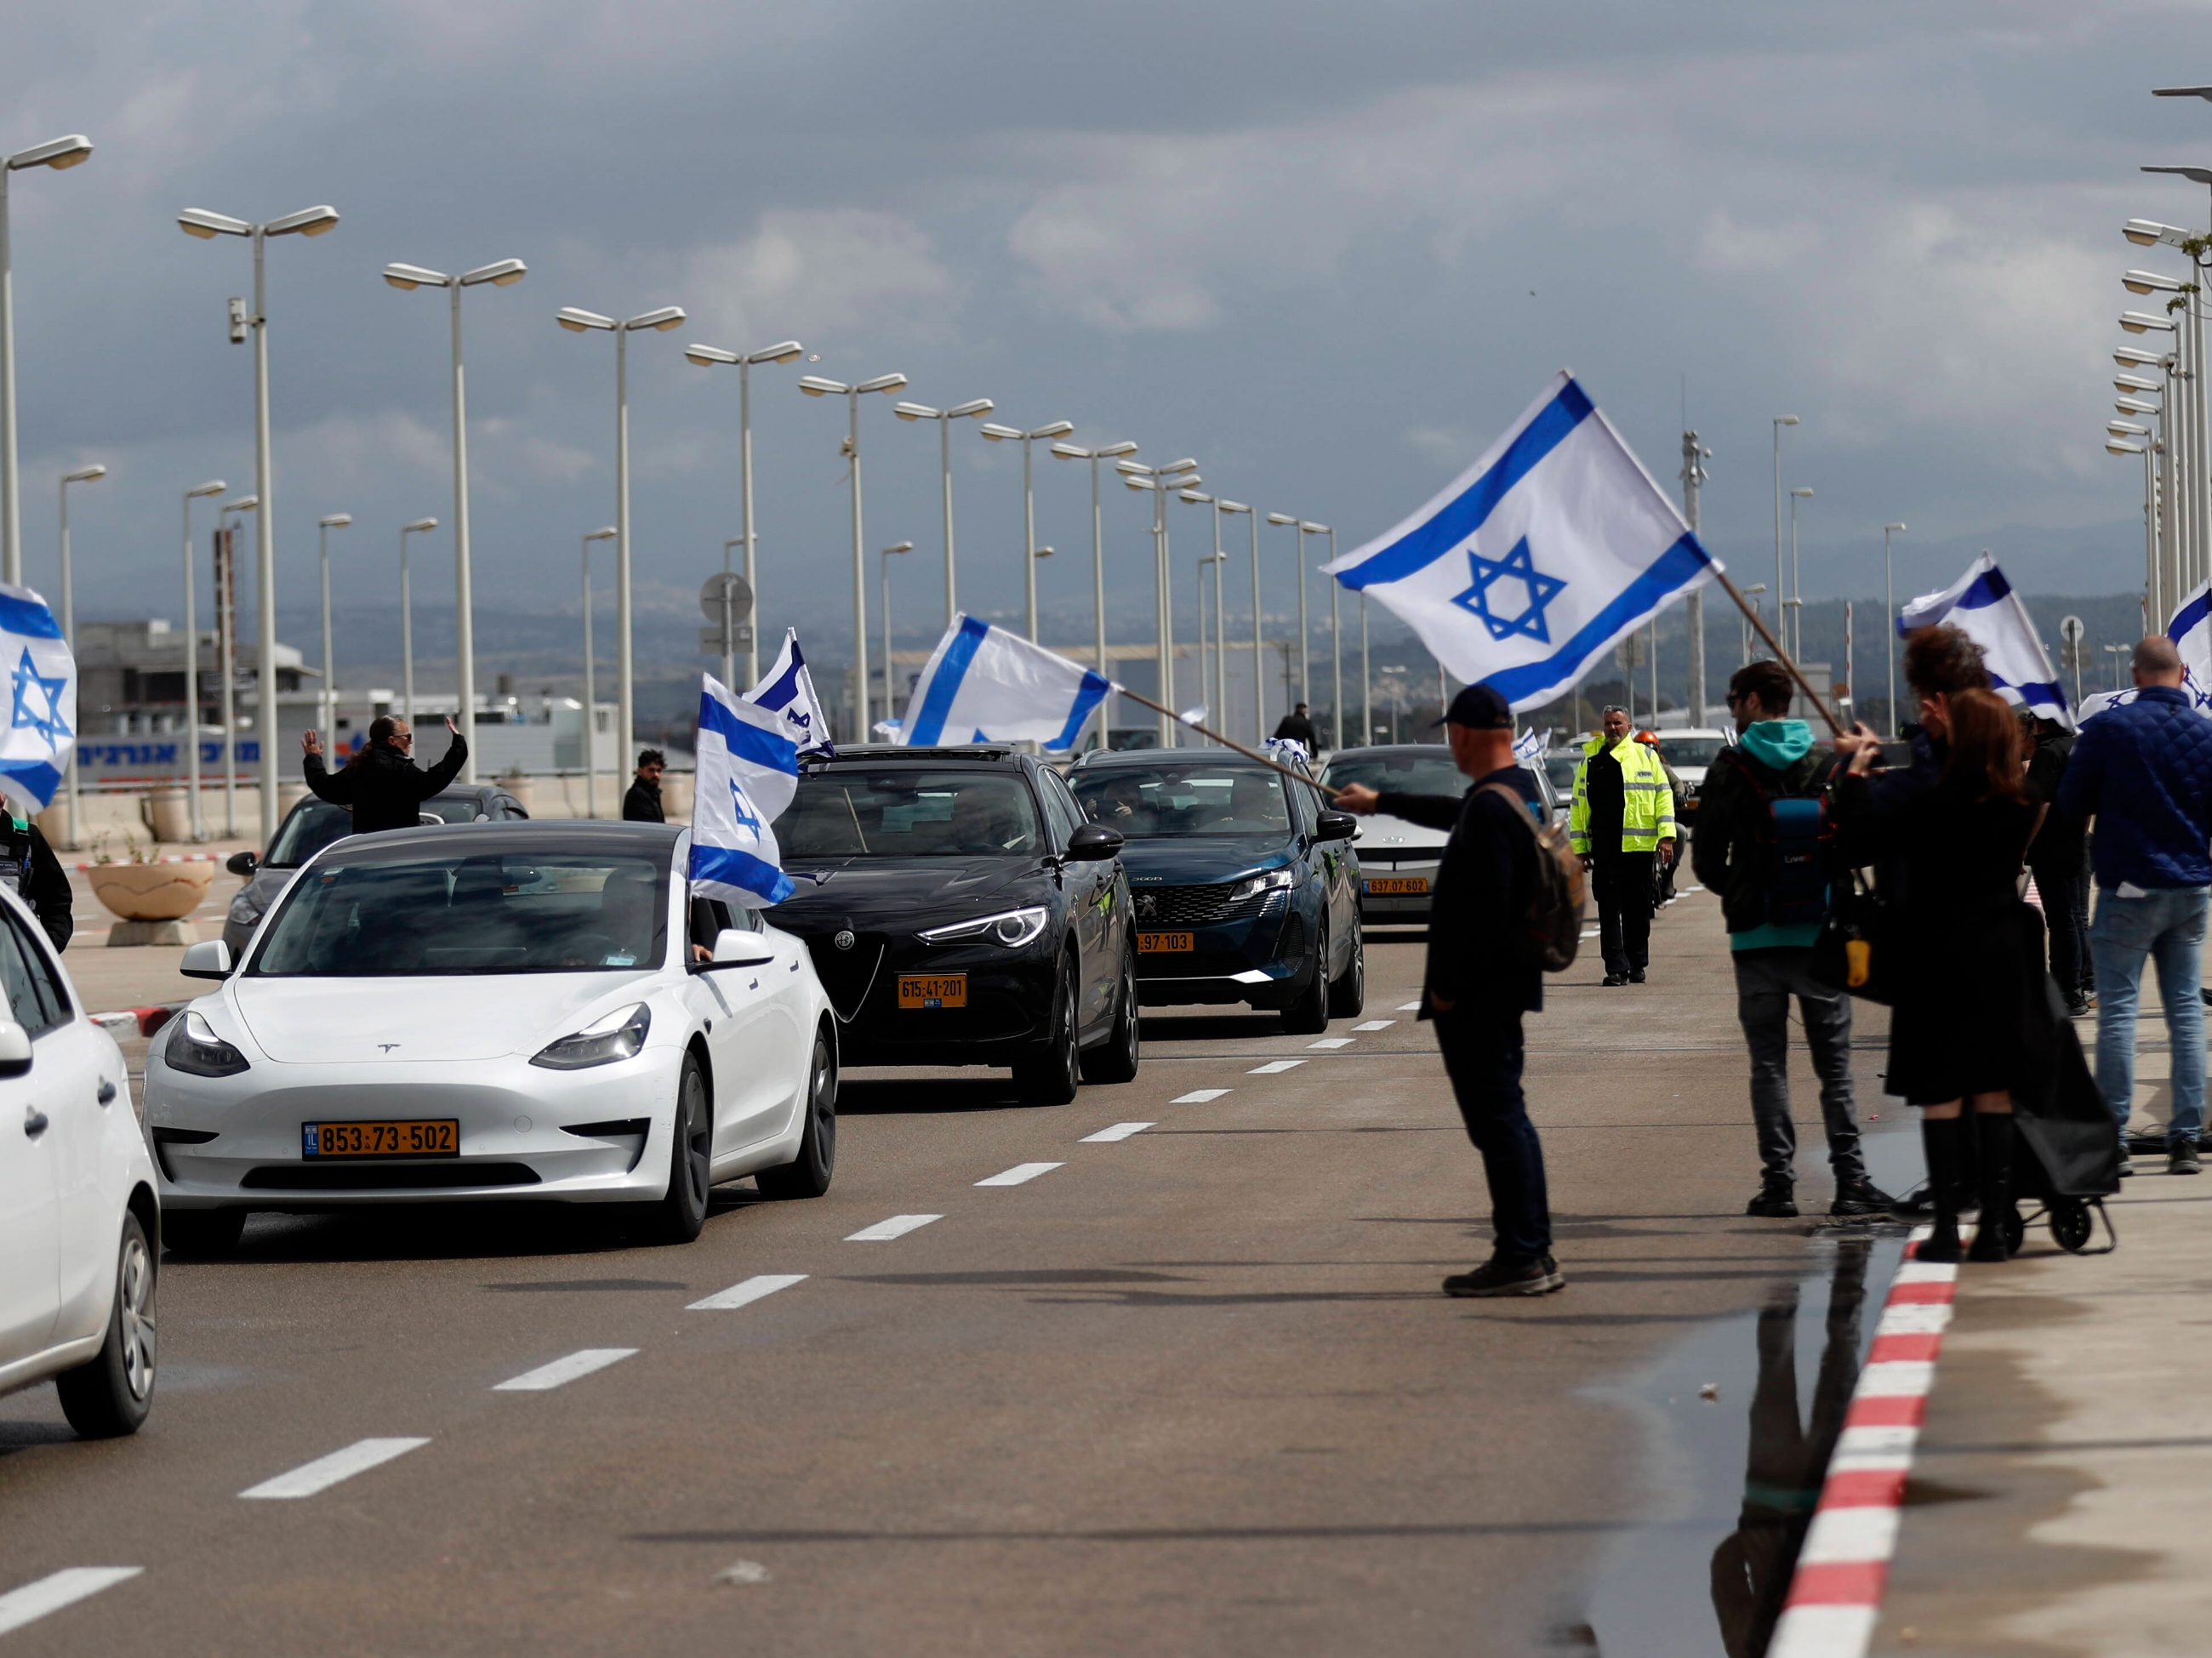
{"x":1505,"y":904}
{"x":1762,"y":845}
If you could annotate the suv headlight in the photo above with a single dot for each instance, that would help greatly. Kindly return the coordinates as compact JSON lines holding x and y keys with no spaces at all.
{"x":1273,"y":880}
{"x":1014,"y":928}
{"x":245,"y":910}
{"x":194,"y":1048}
{"x":620,"y":1036}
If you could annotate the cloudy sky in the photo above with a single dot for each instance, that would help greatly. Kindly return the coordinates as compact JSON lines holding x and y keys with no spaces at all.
{"x":1328,"y":250}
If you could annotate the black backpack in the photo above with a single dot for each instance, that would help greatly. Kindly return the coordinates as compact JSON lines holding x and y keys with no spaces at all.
{"x":1796,"y":837}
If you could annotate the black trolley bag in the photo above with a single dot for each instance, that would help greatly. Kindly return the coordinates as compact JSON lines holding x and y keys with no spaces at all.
{"x":2066,"y":1151}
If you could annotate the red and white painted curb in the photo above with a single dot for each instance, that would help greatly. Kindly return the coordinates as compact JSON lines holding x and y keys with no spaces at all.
{"x":1844,"y":1566}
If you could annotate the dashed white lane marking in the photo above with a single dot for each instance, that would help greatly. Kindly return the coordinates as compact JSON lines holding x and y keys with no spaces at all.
{"x":744,"y":1295}
{"x":1274,"y":1067}
{"x":1120,"y":1131}
{"x":1332,"y":1042}
{"x":896,"y":1227}
{"x":326,"y":1472}
{"x":1199,"y":1097}
{"x":1021,"y":1173}
{"x":563,"y":1371}
{"x":1409,"y":1007}
{"x":1376,"y":1024}
{"x":64,"y":1587}
{"x":1591,"y":933}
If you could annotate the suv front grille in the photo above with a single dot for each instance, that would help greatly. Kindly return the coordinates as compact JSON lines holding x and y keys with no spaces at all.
{"x":1169,"y":907}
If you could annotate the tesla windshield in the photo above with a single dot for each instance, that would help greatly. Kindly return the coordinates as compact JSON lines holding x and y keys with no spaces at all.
{"x":316,"y":823}
{"x":1412,"y":773}
{"x":385,"y":917}
{"x":1202,"y":798}
{"x":902,"y":813}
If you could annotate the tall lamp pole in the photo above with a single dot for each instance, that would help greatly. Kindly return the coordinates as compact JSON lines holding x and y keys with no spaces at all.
{"x":1335,"y":618}
{"x":308,"y":221}
{"x":815,"y":386}
{"x":591,"y":691}
{"x":1797,"y":599}
{"x":1694,"y":457}
{"x":1104,"y":452}
{"x":706,"y":357}
{"x":1305,"y":670}
{"x":1177,"y":475}
{"x":888,"y":554}
{"x":407,"y":619}
{"x":1781,"y":587}
{"x":975,"y":407}
{"x":1889,"y":623}
{"x":329,"y":699}
{"x":212,"y":487}
{"x":59,"y":154}
{"x":82,"y":475}
{"x":226,"y":601}
{"x":1028,"y":440}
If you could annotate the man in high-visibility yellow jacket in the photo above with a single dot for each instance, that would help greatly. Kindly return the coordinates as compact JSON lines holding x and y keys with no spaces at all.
{"x":1622,"y":818}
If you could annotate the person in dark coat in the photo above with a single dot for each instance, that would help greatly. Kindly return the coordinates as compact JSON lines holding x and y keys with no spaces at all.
{"x":1481,"y":977}
{"x":1299,"y":728}
{"x":381,"y":782}
{"x":642,"y":804}
{"x":27,"y":865}
{"x":2059,"y":858}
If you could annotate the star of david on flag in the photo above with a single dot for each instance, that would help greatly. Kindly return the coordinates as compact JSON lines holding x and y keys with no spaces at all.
{"x":1530,"y":566}
{"x":41,"y":731}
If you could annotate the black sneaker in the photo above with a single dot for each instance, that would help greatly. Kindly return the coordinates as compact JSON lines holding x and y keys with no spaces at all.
{"x":2127,"y":1164}
{"x":2078,"y":1006}
{"x":2181,"y":1159}
{"x":1860,"y":1197}
{"x":1613,"y":979}
{"x":1636,"y":975}
{"x":1777,"y":1200}
{"x":1495,"y":1277}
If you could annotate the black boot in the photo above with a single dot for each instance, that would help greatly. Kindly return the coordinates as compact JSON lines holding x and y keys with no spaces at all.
{"x":1993,"y":1158}
{"x":1941,"y":1138}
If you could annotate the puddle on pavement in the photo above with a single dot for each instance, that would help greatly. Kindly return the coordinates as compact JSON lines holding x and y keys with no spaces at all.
{"x":1740,"y":1420}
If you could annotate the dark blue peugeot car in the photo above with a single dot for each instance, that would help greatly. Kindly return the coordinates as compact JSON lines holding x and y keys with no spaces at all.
{"x":1245,"y":885}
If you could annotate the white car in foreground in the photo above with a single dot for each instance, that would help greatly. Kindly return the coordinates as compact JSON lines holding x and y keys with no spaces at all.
{"x":524,"y":1010}
{"x":78,"y":1220}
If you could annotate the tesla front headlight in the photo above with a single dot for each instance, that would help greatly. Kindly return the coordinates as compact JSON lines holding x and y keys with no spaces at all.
{"x":620,"y":1036}
{"x":194,"y":1048}
{"x":1272,"y":880}
{"x":1014,"y":928}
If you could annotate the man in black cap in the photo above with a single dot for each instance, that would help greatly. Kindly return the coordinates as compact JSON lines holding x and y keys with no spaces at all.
{"x":1481,"y":977}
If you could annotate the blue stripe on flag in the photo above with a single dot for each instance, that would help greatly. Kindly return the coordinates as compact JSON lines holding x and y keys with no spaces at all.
{"x":778,"y":695}
{"x":35,"y":777}
{"x":1984,"y":590}
{"x":2035,"y":692}
{"x":744,"y":742}
{"x":28,"y":617}
{"x":928,"y":726}
{"x":1426,"y":543}
{"x":1088,"y":696}
{"x":2189,"y":616}
{"x":741,"y":868}
{"x":1679,"y":564}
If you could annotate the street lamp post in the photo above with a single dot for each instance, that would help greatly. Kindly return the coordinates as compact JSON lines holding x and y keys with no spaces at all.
{"x":407,"y":619}
{"x":59,"y":154}
{"x":82,"y":475}
{"x":323,"y":528}
{"x":502,"y":273}
{"x":212,"y":487}
{"x":226,"y":605}
{"x":1335,"y":620}
{"x":661,"y":319}
{"x":1028,"y":440}
{"x":308,"y":221}
{"x":1889,"y":623}
{"x":1104,"y":452}
{"x":888,"y":554}
{"x":1781,"y":588}
{"x":1177,"y":475}
{"x":591,"y":691}
{"x":1259,"y":672}
{"x":1210,"y":691}
{"x":1367,"y":683}
{"x":975,"y":407}
{"x":815,"y":386}
{"x":706,"y":357}
{"x":1797,"y":599}
{"x":1750,"y":592}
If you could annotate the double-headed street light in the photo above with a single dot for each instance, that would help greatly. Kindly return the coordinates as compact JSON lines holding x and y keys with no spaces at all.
{"x":591,"y":691}
{"x":661,"y":319}
{"x":407,"y":619}
{"x":1103,"y":451}
{"x":307,"y":222}
{"x":82,"y":475}
{"x":1001,"y":434}
{"x":502,"y":273}
{"x":815,"y":386}
{"x":329,"y":698}
{"x":59,"y":154}
{"x":212,"y":487}
{"x":975,"y":408}
{"x":706,"y":356}
{"x":888,"y":554}
{"x":226,"y":607}
{"x":1160,"y":480}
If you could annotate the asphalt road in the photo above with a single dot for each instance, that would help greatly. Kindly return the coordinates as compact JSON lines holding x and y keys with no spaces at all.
{"x":1189,"y":1390}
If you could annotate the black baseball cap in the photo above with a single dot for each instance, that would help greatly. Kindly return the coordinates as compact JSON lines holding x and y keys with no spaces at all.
{"x":1479,"y":708}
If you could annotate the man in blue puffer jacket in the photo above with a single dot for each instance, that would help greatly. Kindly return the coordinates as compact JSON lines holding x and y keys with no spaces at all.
{"x":2143,"y":771}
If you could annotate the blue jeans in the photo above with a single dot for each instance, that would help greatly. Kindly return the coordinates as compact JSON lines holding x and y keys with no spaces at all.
{"x":2166,"y":923}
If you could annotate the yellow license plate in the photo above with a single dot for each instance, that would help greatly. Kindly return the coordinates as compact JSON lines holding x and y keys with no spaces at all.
{"x":440,"y":1138}
{"x":933,"y":990}
{"x":1162,"y":944}
{"x":1391,"y":885}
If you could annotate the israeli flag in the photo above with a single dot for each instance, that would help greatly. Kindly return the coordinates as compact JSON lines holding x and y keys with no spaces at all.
{"x":41,"y":732}
{"x":1982,"y":604}
{"x":748,"y":772}
{"x":787,"y":692}
{"x":1530,"y":745}
{"x":1528,"y":568}
{"x":2190,"y":630}
{"x":983,"y":684}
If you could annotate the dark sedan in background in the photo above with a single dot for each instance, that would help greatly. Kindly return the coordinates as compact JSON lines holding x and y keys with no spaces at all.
{"x":961,"y":912}
{"x":1246,"y":886}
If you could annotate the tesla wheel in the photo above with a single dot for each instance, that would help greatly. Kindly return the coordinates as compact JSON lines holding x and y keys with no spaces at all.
{"x":110,"y":1395}
{"x":1347,"y":997}
{"x":1115,"y":1059}
{"x":1051,"y":1075}
{"x":202,"y":1231}
{"x":678,"y":1216}
{"x":1307,"y":1012}
{"x":807,"y":1175}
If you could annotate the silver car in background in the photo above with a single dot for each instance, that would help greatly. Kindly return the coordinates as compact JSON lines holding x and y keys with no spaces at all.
{"x":1398,"y":859}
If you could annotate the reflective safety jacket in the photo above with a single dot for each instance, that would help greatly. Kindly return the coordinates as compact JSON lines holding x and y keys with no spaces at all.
{"x":1647,"y":816}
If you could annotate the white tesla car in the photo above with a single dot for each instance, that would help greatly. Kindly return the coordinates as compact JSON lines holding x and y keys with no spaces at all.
{"x":78,"y":1220}
{"x":527,"y":1010}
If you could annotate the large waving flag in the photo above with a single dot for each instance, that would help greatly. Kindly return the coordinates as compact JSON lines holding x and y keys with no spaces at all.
{"x":787,"y":692}
{"x":748,"y":772}
{"x":1528,"y":568}
{"x":41,"y":730}
{"x":1982,"y":604}
{"x":984,"y":684}
{"x":2190,"y":630}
